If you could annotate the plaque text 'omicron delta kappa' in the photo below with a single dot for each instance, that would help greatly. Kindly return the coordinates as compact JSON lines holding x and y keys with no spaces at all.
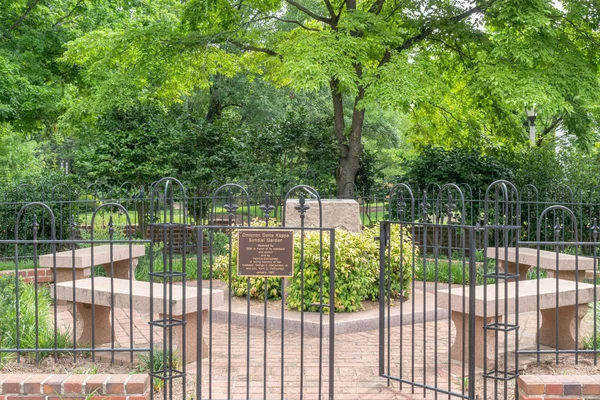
{"x":266,"y":253}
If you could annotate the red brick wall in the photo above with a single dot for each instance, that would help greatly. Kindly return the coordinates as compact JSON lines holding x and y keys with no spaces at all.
{"x":44,"y":275}
{"x":59,"y":387}
{"x":547,"y":387}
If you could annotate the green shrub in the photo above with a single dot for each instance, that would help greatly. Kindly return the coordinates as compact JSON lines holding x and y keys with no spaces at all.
{"x":26,"y":318}
{"x":356,"y":273}
{"x":591,"y":342}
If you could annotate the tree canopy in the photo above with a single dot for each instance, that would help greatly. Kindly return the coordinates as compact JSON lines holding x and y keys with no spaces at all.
{"x":452,"y":73}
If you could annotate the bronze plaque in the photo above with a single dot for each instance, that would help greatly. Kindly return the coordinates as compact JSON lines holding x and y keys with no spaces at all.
{"x":266,"y":252}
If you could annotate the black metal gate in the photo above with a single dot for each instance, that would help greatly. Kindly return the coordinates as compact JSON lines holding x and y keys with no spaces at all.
{"x":444,"y":333}
{"x":234,"y":337}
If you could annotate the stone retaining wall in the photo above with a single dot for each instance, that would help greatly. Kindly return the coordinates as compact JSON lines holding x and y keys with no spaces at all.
{"x":547,"y":387}
{"x":55,"y":387}
{"x":44,"y":275}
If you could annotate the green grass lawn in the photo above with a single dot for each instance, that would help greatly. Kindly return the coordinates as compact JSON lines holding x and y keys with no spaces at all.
{"x":10,"y":265}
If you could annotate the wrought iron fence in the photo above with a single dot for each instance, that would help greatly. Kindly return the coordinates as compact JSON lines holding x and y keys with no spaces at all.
{"x":485,"y":285}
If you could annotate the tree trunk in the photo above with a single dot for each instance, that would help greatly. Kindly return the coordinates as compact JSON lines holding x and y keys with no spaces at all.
{"x":351,"y":148}
{"x":346,"y":176}
{"x":215,"y":108}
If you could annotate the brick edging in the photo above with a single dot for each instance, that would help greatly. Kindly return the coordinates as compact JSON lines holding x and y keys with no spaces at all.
{"x":546,"y":387}
{"x":44,"y":275}
{"x":76,"y":386}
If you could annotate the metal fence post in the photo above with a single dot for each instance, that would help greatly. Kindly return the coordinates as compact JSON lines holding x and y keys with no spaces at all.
{"x":383,"y":230}
{"x":472,"y":284}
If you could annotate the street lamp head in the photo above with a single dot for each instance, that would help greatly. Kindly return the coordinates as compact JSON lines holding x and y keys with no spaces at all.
{"x":531,"y":115}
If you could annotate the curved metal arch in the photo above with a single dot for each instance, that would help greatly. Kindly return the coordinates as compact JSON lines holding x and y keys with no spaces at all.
{"x":468,"y":187}
{"x":396,"y":188}
{"x":36,"y":204}
{"x":168,"y":181}
{"x":20,"y":187}
{"x":530,"y":188}
{"x":447,"y":187}
{"x":230,"y":186}
{"x":126,"y":183}
{"x":538,"y":232}
{"x":556,"y":190}
{"x":312,"y":191}
{"x":504,"y":185}
{"x":595,"y":190}
{"x":432,"y":184}
{"x":107,"y":205}
{"x":55,"y":187}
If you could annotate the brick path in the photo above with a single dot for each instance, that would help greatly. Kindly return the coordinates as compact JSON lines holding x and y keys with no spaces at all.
{"x":356,"y":362}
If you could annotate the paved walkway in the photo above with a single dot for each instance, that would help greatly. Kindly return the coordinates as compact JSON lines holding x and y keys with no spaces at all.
{"x":356,"y":369}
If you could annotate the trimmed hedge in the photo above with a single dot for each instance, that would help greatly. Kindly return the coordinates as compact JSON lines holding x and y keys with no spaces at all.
{"x":356,"y":270}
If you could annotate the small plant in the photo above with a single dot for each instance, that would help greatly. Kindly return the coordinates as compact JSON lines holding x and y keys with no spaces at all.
{"x":29,"y":331}
{"x":159,"y":363}
{"x":592,"y":342}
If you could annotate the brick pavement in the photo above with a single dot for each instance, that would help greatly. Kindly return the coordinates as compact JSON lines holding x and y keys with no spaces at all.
{"x":356,"y":365}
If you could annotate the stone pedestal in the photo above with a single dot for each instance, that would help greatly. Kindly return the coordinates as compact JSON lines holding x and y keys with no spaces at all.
{"x":340,"y":213}
{"x":460,"y":347}
{"x":100,"y":325}
{"x":512,"y":268}
{"x":564,"y":338}
{"x":191,"y":337}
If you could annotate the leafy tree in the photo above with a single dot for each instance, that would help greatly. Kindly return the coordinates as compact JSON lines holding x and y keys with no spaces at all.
{"x":436,"y":165}
{"x":368,"y":54}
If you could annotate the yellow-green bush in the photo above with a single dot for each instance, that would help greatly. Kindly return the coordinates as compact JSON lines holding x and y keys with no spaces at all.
{"x":356,"y":270}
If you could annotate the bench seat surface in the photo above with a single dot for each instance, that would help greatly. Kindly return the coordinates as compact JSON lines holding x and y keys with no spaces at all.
{"x":141,"y":295}
{"x":528,"y":293}
{"x":83,"y":257}
{"x":566,"y":262}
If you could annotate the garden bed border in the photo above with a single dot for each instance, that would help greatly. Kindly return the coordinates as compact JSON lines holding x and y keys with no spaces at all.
{"x":74,"y":386}
{"x":547,"y":387}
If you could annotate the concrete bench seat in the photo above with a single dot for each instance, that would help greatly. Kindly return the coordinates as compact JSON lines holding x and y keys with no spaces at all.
{"x":569,"y":314}
{"x":568,"y":264}
{"x":81,"y":261}
{"x":140,"y":299}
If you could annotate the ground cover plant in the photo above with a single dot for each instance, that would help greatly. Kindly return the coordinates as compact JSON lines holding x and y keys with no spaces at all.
{"x":356,"y":270}
{"x":32,"y":335}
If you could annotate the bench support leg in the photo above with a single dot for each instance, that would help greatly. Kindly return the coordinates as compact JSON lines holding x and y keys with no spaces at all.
{"x":66,"y":274}
{"x":568,"y":316}
{"x":101,"y":324}
{"x":121,"y":268}
{"x":512,"y":268}
{"x":567,"y":275}
{"x":191,"y":337}
{"x":457,"y":351}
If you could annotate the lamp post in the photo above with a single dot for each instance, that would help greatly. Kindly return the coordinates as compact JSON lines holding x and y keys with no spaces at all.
{"x":531,"y":116}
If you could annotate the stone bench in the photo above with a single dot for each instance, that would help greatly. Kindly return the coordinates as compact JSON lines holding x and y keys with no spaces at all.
{"x":140,"y":299}
{"x":81,"y":261}
{"x":568,"y":264}
{"x":568,"y":313}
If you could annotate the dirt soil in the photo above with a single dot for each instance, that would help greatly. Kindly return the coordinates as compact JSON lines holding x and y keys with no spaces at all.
{"x":64,"y":365}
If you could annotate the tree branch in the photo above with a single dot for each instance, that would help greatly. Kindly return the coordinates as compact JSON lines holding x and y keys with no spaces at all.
{"x":330,"y":9}
{"x":63,"y":18}
{"x":254,"y":48}
{"x":339,"y":12}
{"x":291,"y":21}
{"x":309,"y":12}
{"x":426,"y":31}
{"x":377,"y":7}
{"x":21,"y":18}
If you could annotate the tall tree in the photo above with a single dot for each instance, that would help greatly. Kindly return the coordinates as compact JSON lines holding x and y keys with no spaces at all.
{"x":368,"y":54}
